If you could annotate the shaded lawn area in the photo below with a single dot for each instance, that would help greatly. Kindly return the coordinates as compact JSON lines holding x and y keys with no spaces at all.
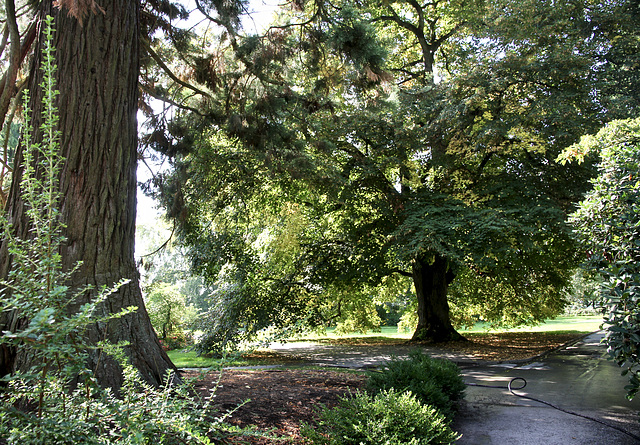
{"x":484,"y":344}
{"x":497,"y":346}
{"x":504,"y":346}
{"x":501,"y":346}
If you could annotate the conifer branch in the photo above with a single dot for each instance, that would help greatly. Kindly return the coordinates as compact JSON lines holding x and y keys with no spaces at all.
{"x":7,"y":87}
{"x":172,"y":102}
{"x":79,"y":8}
{"x":168,"y":71}
{"x":11,"y":74}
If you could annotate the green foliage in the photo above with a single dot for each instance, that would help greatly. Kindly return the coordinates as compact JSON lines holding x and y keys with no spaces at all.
{"x":505,"y":301}
{"x":267,"y":257}
{"x":608,"y":221}
{"x":141,"y":414}
{"x":164,"y":261}
{"x":616,"y":29}
{"x":356,"y":39}
{"x":583,"y":293}
{"x":168,"y":310}
{"x":434,"y":382}
{"x":390,"y":313}
{"x":390,"y":417}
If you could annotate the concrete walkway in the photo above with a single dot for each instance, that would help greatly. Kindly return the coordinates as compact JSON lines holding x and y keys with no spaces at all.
{"x":575,"y":378}
{"x":360,"y":357}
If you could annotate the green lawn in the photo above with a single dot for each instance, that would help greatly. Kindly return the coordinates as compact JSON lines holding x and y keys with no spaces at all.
{"x":190,"y":359}
{"x":565,"y":324}
{"x":562,"y":324}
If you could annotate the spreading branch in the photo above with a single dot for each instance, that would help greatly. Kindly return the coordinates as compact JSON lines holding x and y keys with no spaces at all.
{"x":171,"y":102}
{"x":168,"y":71}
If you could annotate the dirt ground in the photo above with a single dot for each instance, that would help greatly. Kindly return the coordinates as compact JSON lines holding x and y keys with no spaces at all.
{"x":282,"y":400}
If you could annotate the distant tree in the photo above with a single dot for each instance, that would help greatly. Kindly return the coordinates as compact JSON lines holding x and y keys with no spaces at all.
{"x":169,"y":312}
{"x":162,"y":261}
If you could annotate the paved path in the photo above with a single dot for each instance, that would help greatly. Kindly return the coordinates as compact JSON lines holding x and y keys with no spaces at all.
{"x":575,"y":378}
{"x":358,"y":357}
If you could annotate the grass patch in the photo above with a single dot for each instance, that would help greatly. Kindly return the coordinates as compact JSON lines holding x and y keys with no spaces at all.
{"x":390,"y":335}
{"x":190,"y":359}
{"x":564,"y":324}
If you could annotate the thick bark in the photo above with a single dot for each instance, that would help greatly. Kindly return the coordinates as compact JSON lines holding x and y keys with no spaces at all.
{"x":431,"y":281}
{"x":98,"y":64}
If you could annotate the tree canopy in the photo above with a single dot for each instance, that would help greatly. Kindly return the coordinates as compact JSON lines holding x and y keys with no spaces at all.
{"x":354,"y":146}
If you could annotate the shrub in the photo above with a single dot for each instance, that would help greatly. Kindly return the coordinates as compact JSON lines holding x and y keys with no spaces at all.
{"x":178,"y":340}
{"x":389,"y":417}
{"x":434,"y":382}
{"x":89,"y":414}
{"x":608,"y":223}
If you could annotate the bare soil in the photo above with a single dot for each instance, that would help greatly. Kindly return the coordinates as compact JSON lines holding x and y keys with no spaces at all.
{"x":282,"y":400}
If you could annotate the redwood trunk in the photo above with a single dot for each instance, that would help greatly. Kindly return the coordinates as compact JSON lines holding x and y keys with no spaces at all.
{"x":431,"y":281}
{"x":98,"y":65}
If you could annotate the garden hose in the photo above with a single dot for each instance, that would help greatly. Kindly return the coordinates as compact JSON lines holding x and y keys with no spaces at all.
{"x":524,"y":383}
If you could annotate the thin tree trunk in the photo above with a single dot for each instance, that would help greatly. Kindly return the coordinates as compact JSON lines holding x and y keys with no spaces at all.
{"x":431,"y":281}
{"x":98,"y":65}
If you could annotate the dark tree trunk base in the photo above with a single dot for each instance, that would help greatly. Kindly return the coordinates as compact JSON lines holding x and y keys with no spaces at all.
{"x":431,"y":279}
{"x":436,"y":336}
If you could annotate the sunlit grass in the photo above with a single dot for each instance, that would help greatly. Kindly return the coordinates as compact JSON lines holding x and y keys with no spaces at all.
{"x":191,"y":359}
{"x":580,"y":323}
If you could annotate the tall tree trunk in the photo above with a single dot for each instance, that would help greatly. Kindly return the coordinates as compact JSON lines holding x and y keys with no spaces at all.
{"x":431,"y":280}
{"x":98,"y":64}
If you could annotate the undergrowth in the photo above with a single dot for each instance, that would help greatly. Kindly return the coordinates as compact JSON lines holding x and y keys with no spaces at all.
{"x":434,"y":382}
{"x":390,"y":417}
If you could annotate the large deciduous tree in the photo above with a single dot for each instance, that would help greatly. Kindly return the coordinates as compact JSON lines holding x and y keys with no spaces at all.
{"x":416,"y":139}
{"x":97,"y":53}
